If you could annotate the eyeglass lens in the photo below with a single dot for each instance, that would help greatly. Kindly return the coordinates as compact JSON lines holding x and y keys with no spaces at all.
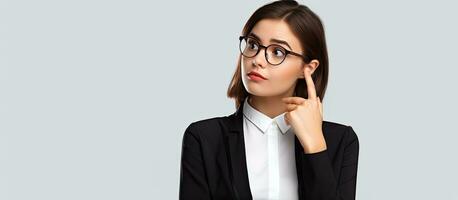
{"x":275,"y":54}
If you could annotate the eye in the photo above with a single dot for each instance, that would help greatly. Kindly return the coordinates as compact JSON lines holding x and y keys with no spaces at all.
{"x":252,"y":45}
{"x":279,"y":52}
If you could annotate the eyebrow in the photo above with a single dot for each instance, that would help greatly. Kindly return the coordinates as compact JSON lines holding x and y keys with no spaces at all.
{"x":271,"y":40}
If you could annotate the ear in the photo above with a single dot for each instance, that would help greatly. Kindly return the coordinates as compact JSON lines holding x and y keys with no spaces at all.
{"x":312,"y":65}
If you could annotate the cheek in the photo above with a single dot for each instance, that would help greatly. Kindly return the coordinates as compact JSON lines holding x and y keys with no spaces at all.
{"x":281,"y":79}
{"x":244,"y":63}
{"x":244,"y":66}
{"x":285,"y":74}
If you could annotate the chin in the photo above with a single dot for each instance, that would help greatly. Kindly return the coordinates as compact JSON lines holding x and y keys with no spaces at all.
{"x":260,"y":92}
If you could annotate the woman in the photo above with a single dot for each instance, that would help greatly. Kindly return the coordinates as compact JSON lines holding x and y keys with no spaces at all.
{"x":276,"y":145}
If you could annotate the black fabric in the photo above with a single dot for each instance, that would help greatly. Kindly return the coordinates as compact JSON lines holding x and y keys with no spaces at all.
{"x":213,"y":162}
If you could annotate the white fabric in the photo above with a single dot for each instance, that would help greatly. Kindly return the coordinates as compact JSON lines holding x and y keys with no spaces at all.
{"x":269,"y":147}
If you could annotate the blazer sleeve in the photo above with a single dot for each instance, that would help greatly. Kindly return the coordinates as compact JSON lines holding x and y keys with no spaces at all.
{"x":319,"y":177}
{"x":193,"y":181}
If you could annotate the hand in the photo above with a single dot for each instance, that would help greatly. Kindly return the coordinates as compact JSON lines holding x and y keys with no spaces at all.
{"x":306,"y":117}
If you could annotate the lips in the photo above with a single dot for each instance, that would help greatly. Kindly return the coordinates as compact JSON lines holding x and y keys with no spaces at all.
{"x":256,"y":74}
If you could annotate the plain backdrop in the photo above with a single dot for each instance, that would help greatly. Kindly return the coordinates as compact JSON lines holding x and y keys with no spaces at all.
{"x":95,"y":95}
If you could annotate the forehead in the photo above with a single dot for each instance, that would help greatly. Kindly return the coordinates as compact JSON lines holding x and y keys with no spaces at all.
{"x":268,"y":29}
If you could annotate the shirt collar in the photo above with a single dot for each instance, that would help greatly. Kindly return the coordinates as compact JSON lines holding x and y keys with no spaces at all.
{"x":263,"y":121}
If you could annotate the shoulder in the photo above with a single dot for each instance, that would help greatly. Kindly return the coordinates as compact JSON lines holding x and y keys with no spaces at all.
{"x":339,"y":131}
{"x":205,"y":124}
{"x":208,"y":127}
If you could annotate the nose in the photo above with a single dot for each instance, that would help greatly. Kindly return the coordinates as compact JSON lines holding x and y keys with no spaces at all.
{"x":260,"y":58}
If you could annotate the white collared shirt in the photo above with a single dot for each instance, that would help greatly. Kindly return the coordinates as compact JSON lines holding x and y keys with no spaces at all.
{"x":271,"y":162}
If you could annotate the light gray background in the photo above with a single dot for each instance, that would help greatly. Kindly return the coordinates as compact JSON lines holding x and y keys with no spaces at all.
{"x":95,"y":95}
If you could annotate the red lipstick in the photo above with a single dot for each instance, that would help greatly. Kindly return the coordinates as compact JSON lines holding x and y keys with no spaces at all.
{"x":256,"y":76}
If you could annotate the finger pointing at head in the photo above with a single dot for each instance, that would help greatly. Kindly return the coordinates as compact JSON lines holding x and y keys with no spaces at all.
{"x":310,"y":85}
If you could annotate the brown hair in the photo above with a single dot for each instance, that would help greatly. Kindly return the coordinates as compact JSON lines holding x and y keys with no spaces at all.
{"x":307,"y":27}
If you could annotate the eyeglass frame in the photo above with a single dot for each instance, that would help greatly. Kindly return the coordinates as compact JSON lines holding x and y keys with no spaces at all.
{"x":305,"y":58}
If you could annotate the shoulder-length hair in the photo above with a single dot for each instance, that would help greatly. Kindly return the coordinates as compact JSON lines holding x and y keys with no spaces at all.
{"x":307,"y":27}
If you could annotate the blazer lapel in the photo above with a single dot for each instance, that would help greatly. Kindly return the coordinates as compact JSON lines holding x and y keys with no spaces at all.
{"x":298,"y":150}
{"x":235,"y":147}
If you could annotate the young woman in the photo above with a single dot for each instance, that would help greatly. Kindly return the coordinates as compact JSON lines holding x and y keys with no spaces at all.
{"x":276,"y":145}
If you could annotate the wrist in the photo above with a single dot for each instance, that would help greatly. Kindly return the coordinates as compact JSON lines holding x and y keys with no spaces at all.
{"x":316,"y":146}
{"x":314,"y":150}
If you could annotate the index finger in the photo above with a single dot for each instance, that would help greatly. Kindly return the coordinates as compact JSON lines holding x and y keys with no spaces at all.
{"x":310,"y":85}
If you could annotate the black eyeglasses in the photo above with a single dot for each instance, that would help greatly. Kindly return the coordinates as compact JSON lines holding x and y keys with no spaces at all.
{"x":274,"y":53}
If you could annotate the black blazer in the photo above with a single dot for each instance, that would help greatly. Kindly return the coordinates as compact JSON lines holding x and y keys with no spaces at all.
{"x":213,"y":162}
